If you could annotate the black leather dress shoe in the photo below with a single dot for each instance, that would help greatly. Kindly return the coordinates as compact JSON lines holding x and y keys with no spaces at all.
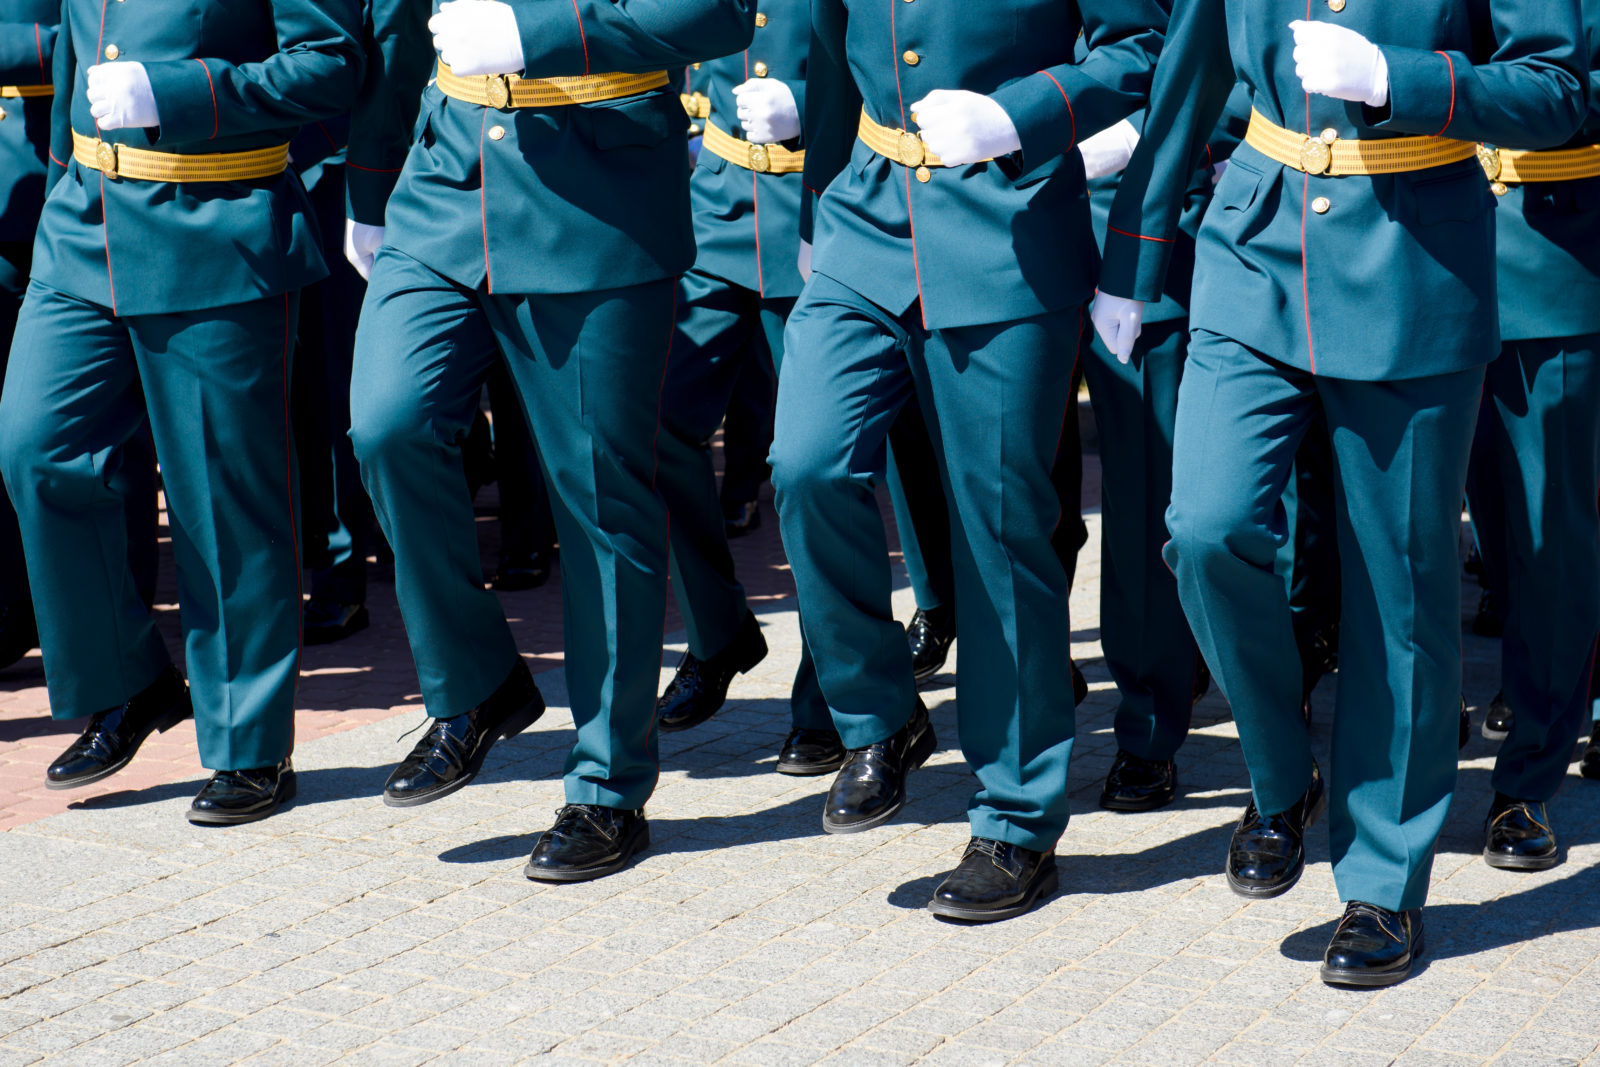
{"x":112,"y":737}
{"x":1268,"y":852}
{"x":1080,"y":685}
{"x":520,"y":572}
{"x":587,"y":841}
{"x":1497,"y":723}
{"x":995,"y":881}
{"x":1488,"y":622}
{"x":930,"y":634}
{"x":871,"y":786}
{"x":451,"y":753}
{"x":1135,"y":784}
{"x":1589,"y":766}
{"x":1373,"y":946}
{"x":741,"y":519}
{"x":19,"y":634}
{"x":1518,"y":836}
{"x":327,"y":621}
{"x":233,"y":797}
{"x":700,"y":687}
{"x":807,"y":753}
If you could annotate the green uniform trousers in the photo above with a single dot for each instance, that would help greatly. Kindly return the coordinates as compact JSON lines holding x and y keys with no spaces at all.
{"x":1400,"y":461}
{"x":993,"y":399}
{"x":1532,"y":491}
{"x":589,"y":368}
{"x":1148,"y":648}
{"x":216,"y":384}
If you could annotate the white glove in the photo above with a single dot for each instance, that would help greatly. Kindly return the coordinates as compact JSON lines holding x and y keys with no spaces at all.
{"x":961,"y":127}
{"x":1118,"y":321}
{"x":1338,"y":62}
{"x":803,"y":261}
{"x":120,"y":96}
{"x":1108,"y":151}
{"x":767,"y":111}
{"x":361,"y":244}
{"x":478,"y":37}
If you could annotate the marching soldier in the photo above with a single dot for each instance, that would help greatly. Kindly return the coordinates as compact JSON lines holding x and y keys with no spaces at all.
{"x":170,"y":255}
{"x":1538,"y":532}
{"x":541,"y":219}
{"x":953,"y":253}
{"x":1346,"y":261}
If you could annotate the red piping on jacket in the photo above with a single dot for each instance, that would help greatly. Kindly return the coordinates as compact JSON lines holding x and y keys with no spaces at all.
{"x":582,"y":37}
{"x":1451,"y":114}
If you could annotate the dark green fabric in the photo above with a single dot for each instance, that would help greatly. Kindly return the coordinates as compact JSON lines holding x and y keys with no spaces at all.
{"x":27,"y":50}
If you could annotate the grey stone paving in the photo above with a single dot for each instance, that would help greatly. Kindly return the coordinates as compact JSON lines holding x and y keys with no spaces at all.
{"x":347,"y":932}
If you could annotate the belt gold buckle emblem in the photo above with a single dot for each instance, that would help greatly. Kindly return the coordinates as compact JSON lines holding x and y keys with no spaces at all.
{"x":105,"y":157}
{"x":497,"y":88}
{"x":912,"y":150}
{"x":1489,"y":160}
{"x":1316,"y":156}
{"x":760,"y":158}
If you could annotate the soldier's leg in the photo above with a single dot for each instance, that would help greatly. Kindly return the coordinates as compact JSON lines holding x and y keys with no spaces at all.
{"x":527,"y":525}
{"x":1072,"y":533}
{"x":747,"y":435}
{"x":422,"y":353}
{"x":136,"y":479}
{"x":1400,"y":457}
{"x":589,"y":367}
{"x":1313,"y":552}
{"x":921,"y":514}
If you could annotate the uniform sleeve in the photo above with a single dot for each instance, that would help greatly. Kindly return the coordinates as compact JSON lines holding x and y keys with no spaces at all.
{"x":563,"y":38}
{"x":400,"y":58}
{"x":315,"y":74}
{"x":832,"y":112}
{"x":1189,"y":96}
{"x":1531,"y":93}
{"x":63,"y":75}
{"x":26,"y":52}
{"x":1056,"y":108}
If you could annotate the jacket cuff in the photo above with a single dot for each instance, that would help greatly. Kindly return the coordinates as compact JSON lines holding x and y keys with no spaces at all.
{"x":1041,"y":111}
{"x":367,"y":192}
{"x":1422,"y":92}
{"x":186,"y":100}
{"x":1135,"y":266}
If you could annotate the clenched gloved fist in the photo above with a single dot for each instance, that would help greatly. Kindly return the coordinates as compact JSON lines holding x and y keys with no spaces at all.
{"x":961,"y":127}
{"x":1338,"y":62}
{"x":361,"y":244}
{"x":478,"y":37}
{"x":767,"y":111}
{"x":120,"y":96}
{"x":1118,"y":321}
{"x":1108,"y":151}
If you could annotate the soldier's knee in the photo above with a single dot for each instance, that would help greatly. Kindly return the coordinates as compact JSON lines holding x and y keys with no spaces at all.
{"x":385,"y":422}
{"x":34,"y":465}
{"x":803,"y":465}
{"x":1212,"y":528}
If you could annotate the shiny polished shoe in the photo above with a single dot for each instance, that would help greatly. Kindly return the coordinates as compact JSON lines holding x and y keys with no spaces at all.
{"x":112,"y":737}
{"x":233,"y":797}
{"x":1268,"y":853}
{"x":587,"y":841}
{"x":1589,"y":765}
{"x":1135,"y":784}
{"x":1080,"y":685}
{"x":1497,"y":723}
{"x":871,"y":786}
{"x":327,"y":621}
{"x":930,"y":634}
{"x":741,"y":520}
{"x":451,"y":753}
{"x":1373,"y":946}
{"x":700,"y":687}
{"x":995,"y":881}
{"x":807,"y":753}
{"x":1488,"y":621}
{"x":520,"y":572}
{"x":1517,"y":836}
{"x":19,"y":634}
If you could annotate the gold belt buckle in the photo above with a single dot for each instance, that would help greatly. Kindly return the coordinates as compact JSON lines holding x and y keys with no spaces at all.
{"x":1316,"y":156}
{"x":497,"y":88}
{"x":912,"y":151}
{"x":105,"y":157}
{"x":1489,"y":160}
{"x":760,"y":158}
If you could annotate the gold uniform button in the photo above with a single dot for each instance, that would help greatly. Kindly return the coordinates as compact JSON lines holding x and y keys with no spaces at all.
{"x":496,"y":132}
{"x":1321,"y":205}
{"x":923,"y":173}
{"x":694,"y":129}
{"x":911,"y":58}
{"x":1498,"y":189}
{"x":760,"y":70}
{"x":761,"y":19}
{"x":1330,"y":135}
{"x":112,"y":51}
{"x":1336,"y":6}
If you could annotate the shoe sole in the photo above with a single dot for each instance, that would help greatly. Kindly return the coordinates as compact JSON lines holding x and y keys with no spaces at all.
{"x":589,"y":874}
{"x":160,"y":726}
{"x":928,"y":672}
{"x":1046,"y":887}
{"x":509,"y":729}
{"x":1495,"y":735}
{"x":221,"y":819}
{"x":920,"y":754}
{"x":809,"y":770}
{"x":358,"y":622}
{"x":1363,"y":980}
{"x":688,"y":724}
{"x":1268,"y":892}
{"x":1123,"y":806}
{"x":1521,"y":863}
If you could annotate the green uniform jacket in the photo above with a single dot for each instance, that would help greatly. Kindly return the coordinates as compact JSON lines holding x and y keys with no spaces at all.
{"x":747,"y":225}
{"x":991,"y":242}
{"x":226,"y":78}
{"x":564,"y":199}
{"x":1396,"y":279}
{"x":27,"y":45}
{"x":1549,"y":237}
{"x":399,"y":64}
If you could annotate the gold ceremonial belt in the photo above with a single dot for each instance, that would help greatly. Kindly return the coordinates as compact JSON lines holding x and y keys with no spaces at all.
{"x":698,"y":105}
{"x":761,"y":158}
{"x":1329,"y":154}
{"x":902,"y":146}
{"x":1505,"y":166}
{"x":513,"y":90}
{"x":14,"y":91}
{"x":141,"y":164}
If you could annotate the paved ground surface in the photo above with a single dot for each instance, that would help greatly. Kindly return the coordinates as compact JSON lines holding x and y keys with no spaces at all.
{"x":344,"y":931}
